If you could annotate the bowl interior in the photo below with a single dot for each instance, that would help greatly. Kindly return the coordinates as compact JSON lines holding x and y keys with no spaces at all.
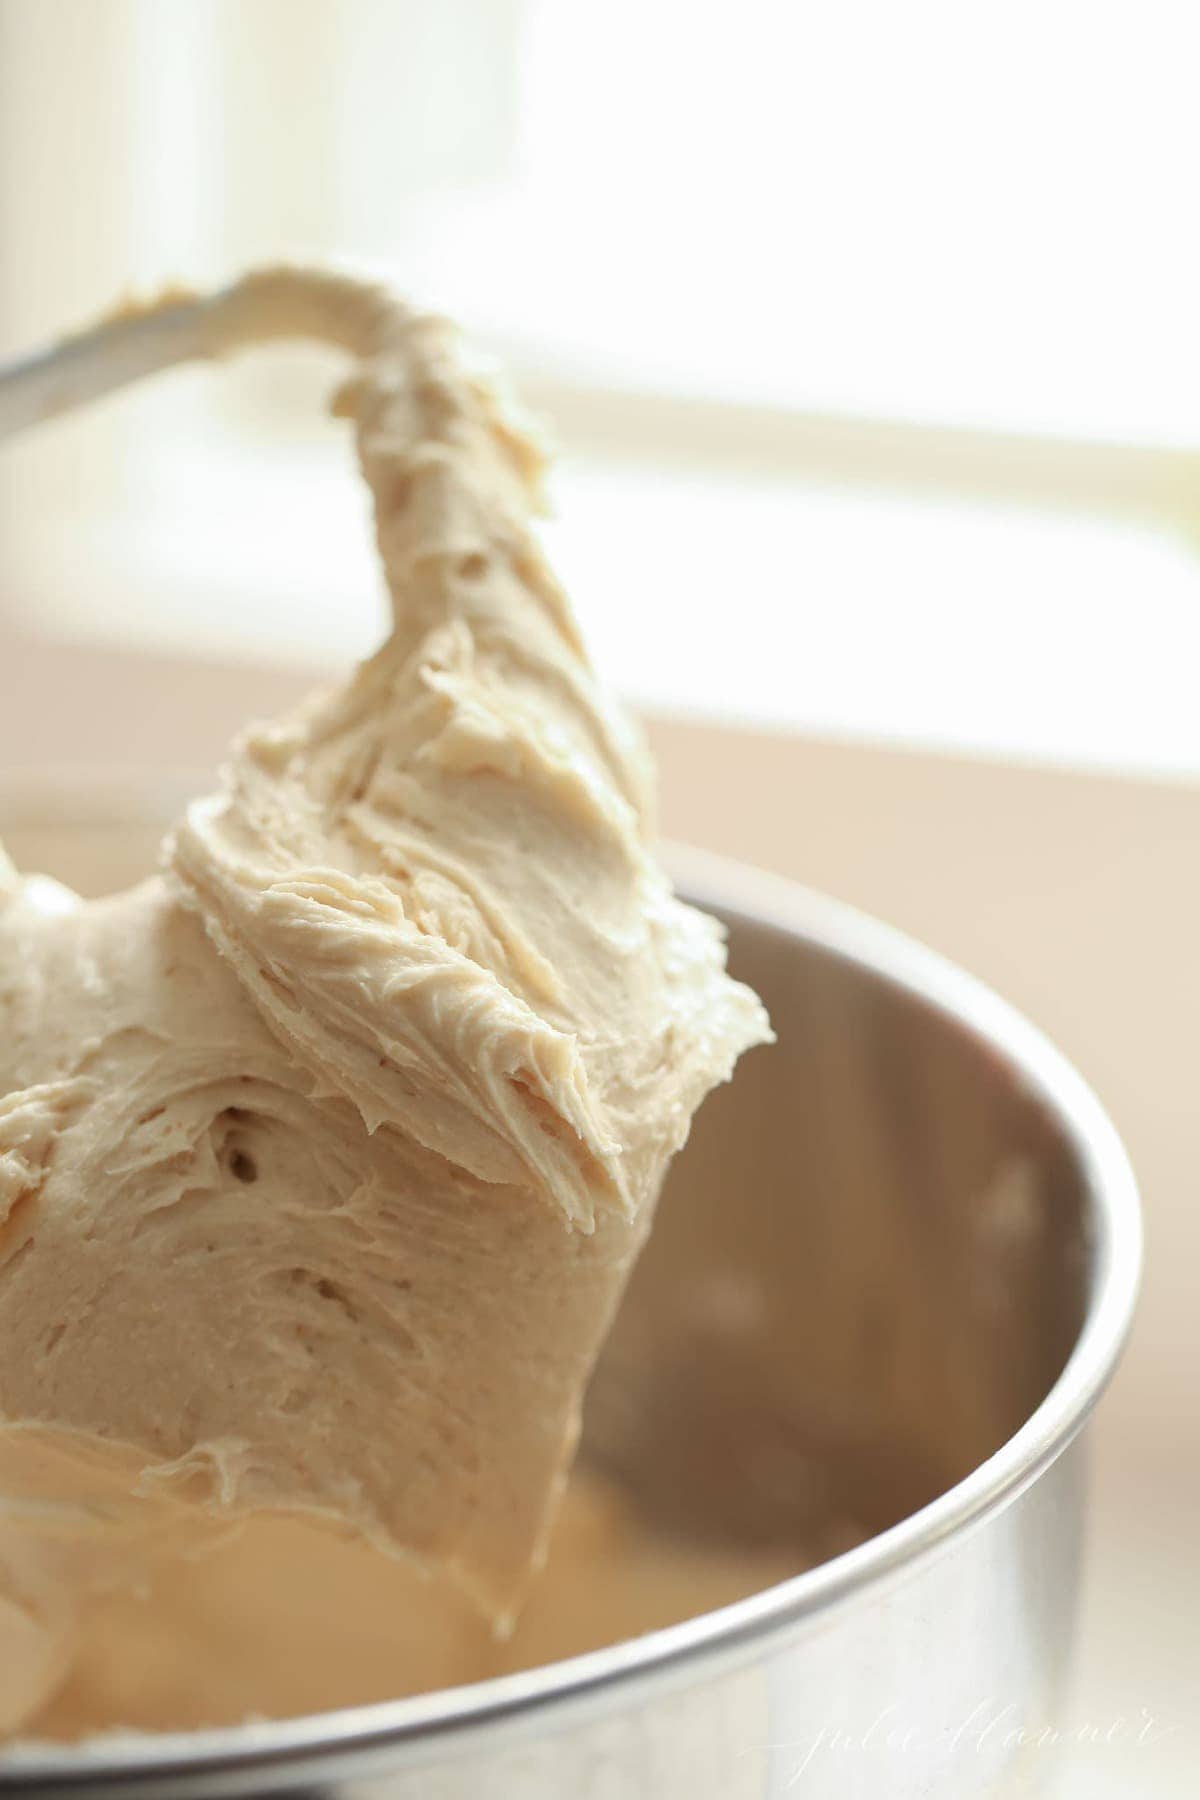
{"x":869,"y":1267}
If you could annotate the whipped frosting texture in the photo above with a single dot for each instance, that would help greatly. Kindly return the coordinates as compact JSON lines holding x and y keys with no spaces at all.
{"x":325,"y":1151}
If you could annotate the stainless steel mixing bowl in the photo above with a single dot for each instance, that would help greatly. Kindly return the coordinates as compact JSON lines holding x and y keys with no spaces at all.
{"x":891,"y":1274}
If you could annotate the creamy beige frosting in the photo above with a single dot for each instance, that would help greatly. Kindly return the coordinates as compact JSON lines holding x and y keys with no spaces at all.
{"x":325,"y":1153}
{"x":284,"y":1617}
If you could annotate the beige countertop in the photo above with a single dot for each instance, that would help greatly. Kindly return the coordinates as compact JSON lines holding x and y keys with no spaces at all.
{"x":1075,"y":895}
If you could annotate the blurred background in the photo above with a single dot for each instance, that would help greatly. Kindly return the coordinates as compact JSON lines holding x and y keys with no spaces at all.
{"x":875,"y":324}
{"x":868,"y":337}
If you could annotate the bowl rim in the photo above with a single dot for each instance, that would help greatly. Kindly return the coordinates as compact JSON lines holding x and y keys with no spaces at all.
{"x":405,"y":1732}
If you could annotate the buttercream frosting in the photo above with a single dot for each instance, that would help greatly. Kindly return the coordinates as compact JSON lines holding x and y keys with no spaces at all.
{"x":326,"y":1151}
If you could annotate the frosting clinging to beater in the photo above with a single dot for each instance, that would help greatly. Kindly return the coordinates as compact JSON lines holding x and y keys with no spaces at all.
{"x":330,"y":1147}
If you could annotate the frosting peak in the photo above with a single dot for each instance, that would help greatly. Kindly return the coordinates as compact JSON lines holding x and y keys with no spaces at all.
{"x":325,"y":1153}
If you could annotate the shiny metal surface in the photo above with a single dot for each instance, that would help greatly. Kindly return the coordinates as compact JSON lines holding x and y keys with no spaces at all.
{"x":891,"y":1274}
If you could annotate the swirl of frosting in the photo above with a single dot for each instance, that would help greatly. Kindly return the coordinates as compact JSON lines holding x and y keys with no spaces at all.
{"x":326,"y":1151}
